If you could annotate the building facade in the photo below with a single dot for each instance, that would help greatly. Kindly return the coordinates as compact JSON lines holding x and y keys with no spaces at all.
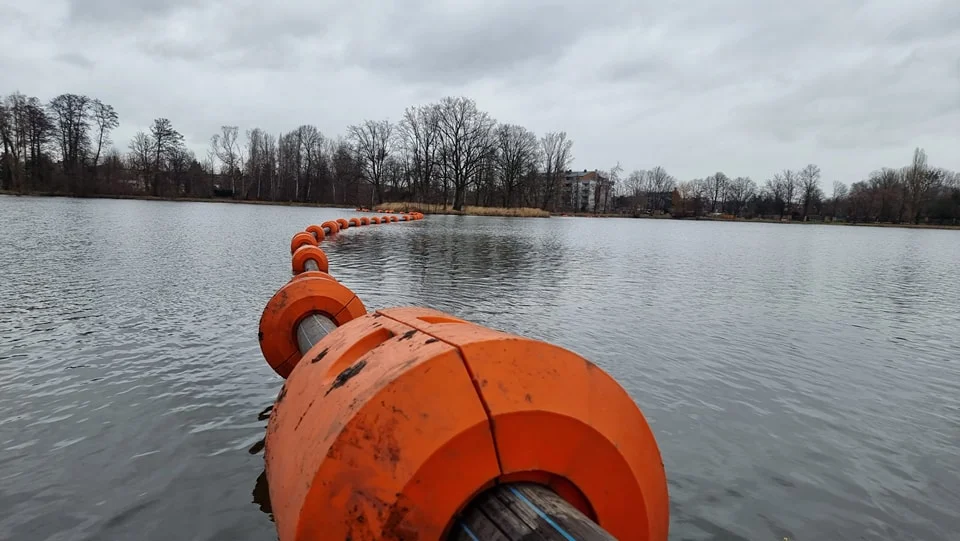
{"x":586,"y":191}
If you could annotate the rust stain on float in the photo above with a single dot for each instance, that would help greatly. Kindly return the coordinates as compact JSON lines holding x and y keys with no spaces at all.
{"x":345,"y":376}
{"x":320,"y":356}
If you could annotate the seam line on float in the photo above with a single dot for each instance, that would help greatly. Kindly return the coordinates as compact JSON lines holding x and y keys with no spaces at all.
{"x":473,"y":380}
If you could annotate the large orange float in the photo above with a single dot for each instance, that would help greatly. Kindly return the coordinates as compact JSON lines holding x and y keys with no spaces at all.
{"x":393,"y":424}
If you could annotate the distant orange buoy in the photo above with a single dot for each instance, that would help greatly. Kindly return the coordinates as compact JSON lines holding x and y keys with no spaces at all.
{"x":309,"y":252}
{"x":364,"y":220}
{"x":302,"y":239}
{"x":332,"y":225}
{"x":317,"y":231}
{"x":343,"y":223}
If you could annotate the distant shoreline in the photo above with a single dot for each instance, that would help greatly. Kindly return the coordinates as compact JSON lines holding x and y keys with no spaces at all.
{"x":178,"y":199}
{"x":472,"y":211}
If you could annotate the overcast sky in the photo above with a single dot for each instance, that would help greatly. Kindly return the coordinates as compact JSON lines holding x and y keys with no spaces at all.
{"x":747,"y":87}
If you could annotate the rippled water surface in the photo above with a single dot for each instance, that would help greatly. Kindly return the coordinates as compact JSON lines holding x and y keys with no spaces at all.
{"x":803,"y":382}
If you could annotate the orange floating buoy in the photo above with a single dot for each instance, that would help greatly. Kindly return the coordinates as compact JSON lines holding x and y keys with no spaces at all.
{"x":400,"y":418}
{"x":354,"y":222}
{"x":374,"y":220}
{"x":343,"y":223}
{"x":314,"y":274}
{"x":317,"y":231}
{"x":364,"y":220}
{"x":302,"y":239}
{"x":292,"y":303}
{"x":394,"y":219}
{"x":305,"y":253}
{"x":332,"y":225}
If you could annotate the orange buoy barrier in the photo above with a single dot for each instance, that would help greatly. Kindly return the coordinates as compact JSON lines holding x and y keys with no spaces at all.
{"x":302,"y":239}
{"x":409,"y":423}
{"x":332,"y":226}
{"x":343,"y":223}
{"x":317,"y":231}
{"x":306,"y":254}
{"x":374,"y":220}
{"x":364,"y":220}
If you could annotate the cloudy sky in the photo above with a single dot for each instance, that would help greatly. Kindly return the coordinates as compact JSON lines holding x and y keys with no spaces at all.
{"x":747,"y":87}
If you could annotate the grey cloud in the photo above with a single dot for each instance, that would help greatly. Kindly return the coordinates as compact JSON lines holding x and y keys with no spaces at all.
{"x":110,"y":12}
{"x":696,"y":86}
{"x":75,"y":59}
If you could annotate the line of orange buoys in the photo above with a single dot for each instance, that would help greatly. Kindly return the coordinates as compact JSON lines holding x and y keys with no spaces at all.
{"x":304,"y":246}
{"x":391,"y":424}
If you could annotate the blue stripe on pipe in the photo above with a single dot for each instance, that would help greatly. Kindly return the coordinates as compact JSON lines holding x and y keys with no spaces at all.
{"x":471,"y":534}
{"x":543,"y":515}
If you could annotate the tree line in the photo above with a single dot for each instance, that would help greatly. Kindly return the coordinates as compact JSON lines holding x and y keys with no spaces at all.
{"x":449,"y":152}
{"x":914,"y":193}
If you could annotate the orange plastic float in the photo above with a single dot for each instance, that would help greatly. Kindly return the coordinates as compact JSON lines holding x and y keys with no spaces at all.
{"x":314,"y":274}
{"x":317,"y":231}
{"x":343,"y":223}
{"x":364,"y":220}
{"x":354,"y":222}
{"x":393,"y":423}
{"x":292,"y":303}
{"x":332,"y":225}
{"x":302,"y":239}
{"x":308,"y":252}
{"x":374,"y":220}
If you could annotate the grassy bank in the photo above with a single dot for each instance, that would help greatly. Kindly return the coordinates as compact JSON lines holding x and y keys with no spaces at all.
{"x":428,"y":208}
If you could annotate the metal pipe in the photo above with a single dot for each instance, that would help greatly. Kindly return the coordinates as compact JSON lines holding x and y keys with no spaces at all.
{"x":312,"y":329}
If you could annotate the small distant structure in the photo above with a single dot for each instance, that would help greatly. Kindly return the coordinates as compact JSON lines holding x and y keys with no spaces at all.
{"x":586,"y":191}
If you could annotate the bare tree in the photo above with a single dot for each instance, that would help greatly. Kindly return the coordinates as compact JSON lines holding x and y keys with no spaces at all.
{"x":840,"y":192}
{"x":13,"y":133}
{"x":140,"y":157}
{"x":809,"y":183}
{"x":262,"y":162}
{"x":615,"y":187}
{"x":557,"y":154}
{"x":71,"y":114}
{"x":373,"y":141}
{"x":226,"y":148}
{"x":465,"y":142}
{"x":105,"y":120}
{"x":777,"y":188}
{"x":791,"y":186}
{"x":420,"y":138}
{"x":921,"y":181}
{"x":739,"y":191}
{"x":717,"y":187}
{"x":517,"y":153}
{"x":166,"y":141}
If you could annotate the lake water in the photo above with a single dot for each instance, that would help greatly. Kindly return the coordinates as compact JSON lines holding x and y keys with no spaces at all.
{"x":803,"y":382}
